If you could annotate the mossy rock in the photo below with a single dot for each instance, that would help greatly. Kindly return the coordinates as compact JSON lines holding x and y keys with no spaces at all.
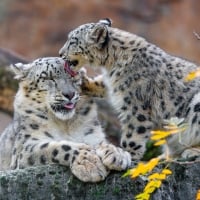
{"x":57,"y":182}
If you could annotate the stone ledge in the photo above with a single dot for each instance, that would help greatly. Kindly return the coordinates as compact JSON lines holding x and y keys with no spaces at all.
{"x":57,"y":182}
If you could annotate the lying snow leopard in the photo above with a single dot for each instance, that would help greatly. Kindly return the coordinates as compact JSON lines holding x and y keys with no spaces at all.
{"x":54,"y":123}
{"x":145,"y":84}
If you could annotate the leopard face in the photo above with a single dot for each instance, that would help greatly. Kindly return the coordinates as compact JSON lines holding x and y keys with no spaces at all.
{"x":46,"y":78}
{"x":86,"y":45}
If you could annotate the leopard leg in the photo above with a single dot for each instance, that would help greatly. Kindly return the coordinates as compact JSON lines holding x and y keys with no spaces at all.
{"x":88,"y":167}
{"x":85,"y":164}
{"x":190,"y":138}
{"x":94,"y":87}
{"x":191,"y":153}
{"x":136,"y":132}
{"x":114,"y":158}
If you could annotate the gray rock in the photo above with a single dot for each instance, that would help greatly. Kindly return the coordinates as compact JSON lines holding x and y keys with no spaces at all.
{"x":57,"y":183}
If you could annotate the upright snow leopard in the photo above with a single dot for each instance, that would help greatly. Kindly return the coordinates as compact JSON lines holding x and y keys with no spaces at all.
{"x":55,"y":123}
{"x":145,"y":84}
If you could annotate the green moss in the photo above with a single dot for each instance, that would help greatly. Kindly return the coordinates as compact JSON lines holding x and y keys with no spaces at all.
{"x":57,"y":190}
{"x":40,"y":175}
{"x":51,"y":172}
{"x":151,"y":151}
{"x":116,"y":190}
{"x":4,"y":181}
{"x":40,"y":182}
{"x":98,"y":192}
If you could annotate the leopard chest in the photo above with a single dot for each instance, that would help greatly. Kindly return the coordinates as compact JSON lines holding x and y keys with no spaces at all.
{"x":118,"y":93}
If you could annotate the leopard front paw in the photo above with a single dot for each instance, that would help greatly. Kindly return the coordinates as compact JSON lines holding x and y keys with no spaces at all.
{"x":114,"y":158}
{"x":192,"y":153}
{"x":81,"y":77}
{"x":88,"y":167}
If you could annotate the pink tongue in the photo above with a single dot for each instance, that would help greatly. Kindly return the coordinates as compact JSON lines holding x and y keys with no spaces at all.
{"x":69,"y":70}
{"x":69,"y":106}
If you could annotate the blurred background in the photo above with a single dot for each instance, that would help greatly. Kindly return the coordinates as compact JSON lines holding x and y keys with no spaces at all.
{"x":30,"y":29}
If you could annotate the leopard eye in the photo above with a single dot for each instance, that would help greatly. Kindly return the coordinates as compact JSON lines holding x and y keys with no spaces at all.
{"x":78,"y":53}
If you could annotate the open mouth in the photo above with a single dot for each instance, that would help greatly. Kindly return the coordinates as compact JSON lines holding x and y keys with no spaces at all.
{"x":63,"y":111}
{"x":69,"y":106}
{"x":68,"y":67}
{"x":64,"y":108}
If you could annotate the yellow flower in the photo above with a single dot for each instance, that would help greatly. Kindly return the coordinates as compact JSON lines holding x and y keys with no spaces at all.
{"x":192,"y":75}
{"x":139,"y":170}
{"x":142,"y":196}
{"x":157,"y":135}
{"x":153,"y":184}
{"x":142,"y":168}
{"x":151,"y":164}
{"x":198,"y":195}
{"x":173,"y":126}
{"x":166,"y":171}
{"x":160,"y":142}
{"x":158,"y":176}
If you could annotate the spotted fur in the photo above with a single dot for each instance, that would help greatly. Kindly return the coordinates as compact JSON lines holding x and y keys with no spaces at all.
{"x":145,"y":84}
{"x":54,"y":123}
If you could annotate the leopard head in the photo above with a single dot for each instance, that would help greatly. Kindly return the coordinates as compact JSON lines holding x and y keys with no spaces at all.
{"x":44,"y":83}
{"x":86,"y":45}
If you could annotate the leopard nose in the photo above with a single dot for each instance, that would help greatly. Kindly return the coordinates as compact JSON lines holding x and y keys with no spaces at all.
{"x":69,"y":95}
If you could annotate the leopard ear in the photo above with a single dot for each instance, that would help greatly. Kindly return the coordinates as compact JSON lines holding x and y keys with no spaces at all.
{"x":99,"y":35}
{"x":106,"y":21}
{"x":20,"y":70}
